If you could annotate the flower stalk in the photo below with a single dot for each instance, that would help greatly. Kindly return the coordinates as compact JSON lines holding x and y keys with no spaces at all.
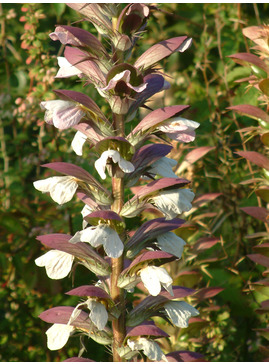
{"x":117,"y":294}
{"x":125,"y":260}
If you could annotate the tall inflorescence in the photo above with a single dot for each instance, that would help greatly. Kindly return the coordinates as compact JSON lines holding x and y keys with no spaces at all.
{"x":134,"y":163}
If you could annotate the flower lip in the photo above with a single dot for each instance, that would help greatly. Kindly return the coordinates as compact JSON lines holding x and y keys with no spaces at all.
{"x":61,"y":188}
{"x":101,"y":235}
{"x":66,"y":69}
{"x":58,"y":264}
{"x":173,"y":202}
{"x":62,"y":114}
{"x":150,"y":348}
{"x":180,"y":312}
{"x":171,"y":243}
{"x":78,"y":142}
{"x":58,"y":335}
{"x":100,"y":164}
{"x":179,"y":128}
{"x":155,"y":277}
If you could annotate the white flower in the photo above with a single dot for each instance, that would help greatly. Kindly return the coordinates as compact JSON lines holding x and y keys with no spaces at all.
{"x":123,"y":76}
{"x":180,"y":312}
{"x":78,"y":142}
{"x":98,"y":314}
{"x":58,"y":335}
{"x":124,"y":165}
{"x":66,"y":69}
{"x":163,"y":167}
{"x":150,"y":348}
{"x":153,"y":277}
{"x":171,"y":243}
{"x":101,"y":235}
{"x":174,"y":202}
{"x":179,"y":129}
{"x":84,"y":212}
{"x":58,"y":264}
{"x":61,"y":189}
{"x":62,"y":114}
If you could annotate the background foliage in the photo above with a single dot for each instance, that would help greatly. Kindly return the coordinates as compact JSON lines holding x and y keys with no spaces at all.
{"x":217,"y":231}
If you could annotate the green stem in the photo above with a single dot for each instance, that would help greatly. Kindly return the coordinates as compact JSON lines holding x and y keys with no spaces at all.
{"x":117,"y":294}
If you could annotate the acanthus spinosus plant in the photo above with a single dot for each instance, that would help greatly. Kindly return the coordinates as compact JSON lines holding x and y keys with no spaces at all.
{"x":135,"y":162}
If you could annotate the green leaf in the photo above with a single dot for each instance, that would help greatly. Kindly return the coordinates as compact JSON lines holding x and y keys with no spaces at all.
{"x":264,"y":86}
{"x":263,"y":193}
{"x":60,"y":8}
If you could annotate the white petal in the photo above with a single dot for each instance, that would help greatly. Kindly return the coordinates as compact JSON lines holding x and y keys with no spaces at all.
{"x":76,"y":238}
{"x":163,"y":167}
{"x":58,"y":264}
{"x":93,"y":235}
{"x":45,"y":185}
{"x":67,"y":117}
{"x":150,"y":348}
{"x":185,"y":45}
{"x":126,"y":166}
{"x":58,"y":335}
{"x":174,"y":202}
{"x":66,"y":69}
{"x":150,"y":281}
{"x":78,"y":142}
{"x":100,"y":164}
{"x":115,"y":155}
{"x":113,"y":245}
{"x":178,"y":124}
{"x":76,"y":312}
{"x":171,"y":243}
{"x":103,"y":235}
{"x":61,"y":189}
{"x":53,"y":105}
{"x":98,"y":314}
{"x":165,"y":279}
{"x":152,"y":278}
{"x":86,"y":210}
{"x":64,"y":189}
{"x":63,"y":114}
{"x":180,"y":312}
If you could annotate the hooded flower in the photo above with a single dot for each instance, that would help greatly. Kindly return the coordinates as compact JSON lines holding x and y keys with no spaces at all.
{"x":124,"y":165}
{"x":174,"y":202}
{"x":58,"y":335}
{"x":163,"y":167}
{"x":78,"y":142}
{"x":180,"y":312}
{"x":179,"y":129}
{"x":123,"y":77}
{"x":66,"y":69}
{"x":61,"y":113}
{"x":150,"y":348}
{"x":153,"y":277}
{"x":98,"y":314}
{"x":61,"y":189}
{"x":101,"y":235}
{"x":58,"y":264}
{"x":171,"y":243}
